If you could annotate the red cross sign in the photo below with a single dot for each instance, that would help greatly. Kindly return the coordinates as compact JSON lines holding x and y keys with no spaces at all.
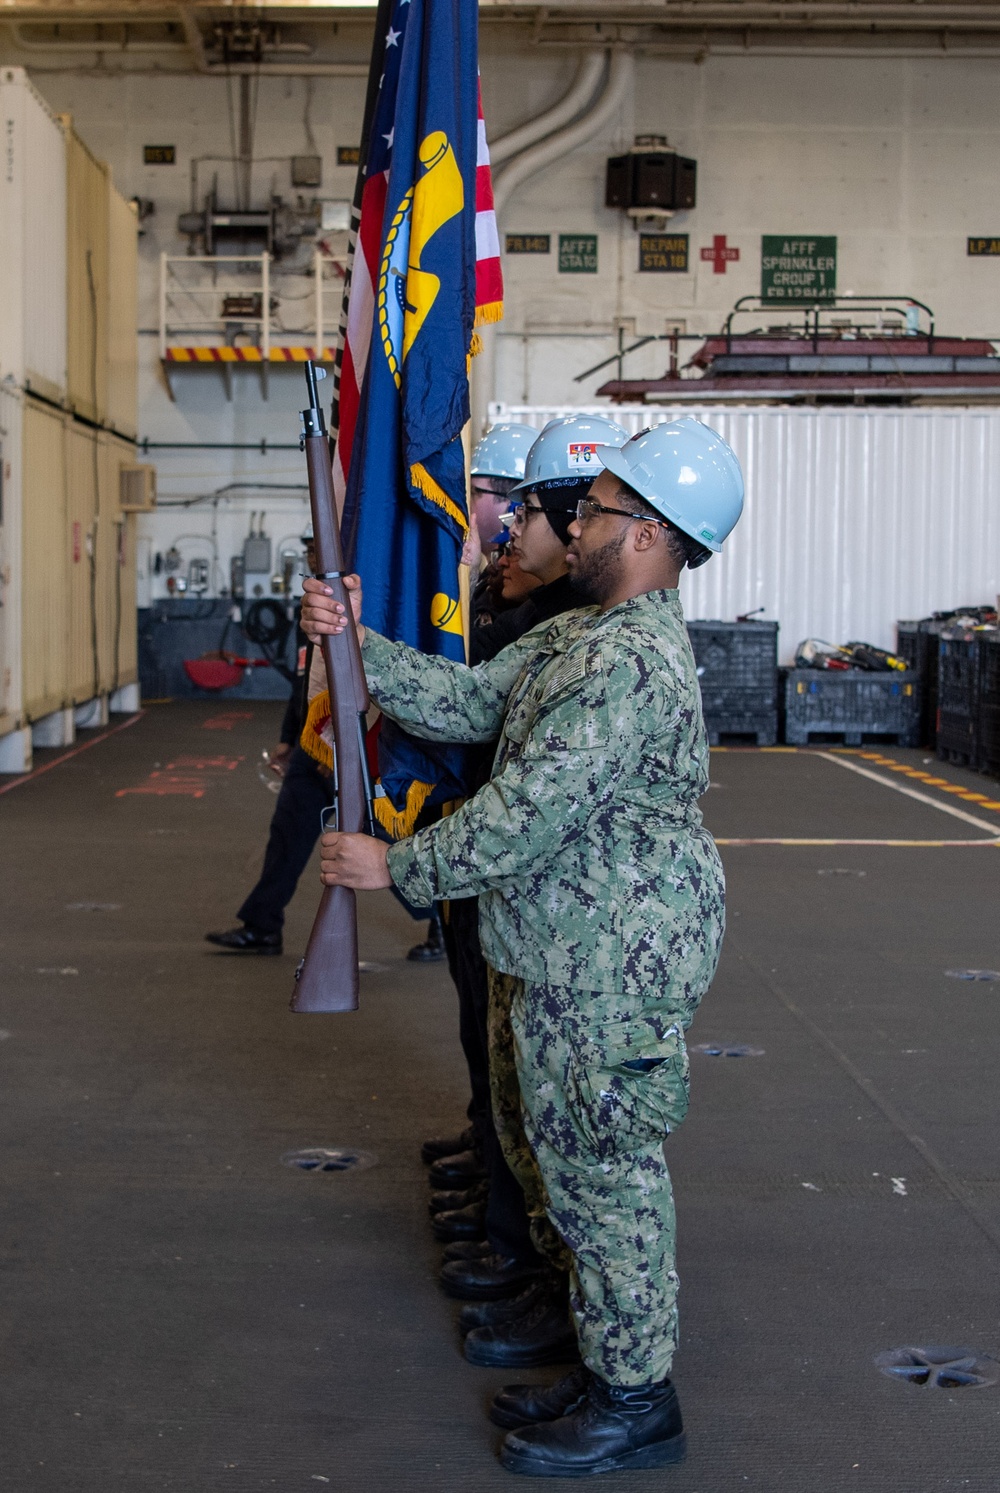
{"x":719,"y":255}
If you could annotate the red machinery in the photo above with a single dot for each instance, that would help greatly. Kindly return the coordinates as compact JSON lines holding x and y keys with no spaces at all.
{"x":852,"y":349}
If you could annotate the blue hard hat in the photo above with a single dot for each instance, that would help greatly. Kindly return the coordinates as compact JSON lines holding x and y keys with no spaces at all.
{"x":569,"y":450}
{"x":686,"y":472}
{"x":502,"y":451}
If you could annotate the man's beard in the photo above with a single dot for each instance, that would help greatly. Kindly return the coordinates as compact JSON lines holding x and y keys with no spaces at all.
{"x":594,"y":579}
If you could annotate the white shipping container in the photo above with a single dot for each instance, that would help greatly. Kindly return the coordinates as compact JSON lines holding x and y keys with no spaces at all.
{"x":32,"y":239}
{"x":855,"y":518}
{"x":11,"y":422}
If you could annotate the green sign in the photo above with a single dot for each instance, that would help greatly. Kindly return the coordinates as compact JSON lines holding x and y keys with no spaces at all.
{"x":578,"y":253}
{"x":528,"y":243}
{"x":984,"y":246}
{"x":663,"y":253}
{"x":797,"y":270}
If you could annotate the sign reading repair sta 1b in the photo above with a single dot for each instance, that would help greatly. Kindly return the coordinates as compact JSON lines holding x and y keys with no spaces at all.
{"x":797,"y":270}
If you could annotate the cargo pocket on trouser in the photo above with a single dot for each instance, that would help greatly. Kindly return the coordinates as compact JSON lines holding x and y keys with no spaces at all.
{"x":632,"y":1086}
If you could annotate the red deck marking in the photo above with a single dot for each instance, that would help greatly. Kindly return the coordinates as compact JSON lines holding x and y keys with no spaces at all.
{"x":165,"y":784}
{"x":29,"y":777}
{"x":187,"y":777}
{"x":227,"y":721}
{"x":205,"y":764}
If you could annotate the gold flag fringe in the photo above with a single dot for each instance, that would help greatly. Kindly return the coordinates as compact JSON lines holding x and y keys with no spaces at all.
{"x":399,"y":823}
{"x":491,"y":311}
{"x":422,"y":479}
{"x":317,"y":720}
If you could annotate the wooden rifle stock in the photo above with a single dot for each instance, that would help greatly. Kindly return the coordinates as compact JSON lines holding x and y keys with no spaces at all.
{"x":327,"y":977}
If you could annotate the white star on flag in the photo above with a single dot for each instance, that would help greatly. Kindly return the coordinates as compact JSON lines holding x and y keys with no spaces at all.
{"x":392,"y":37}
{"x":389,"y":137}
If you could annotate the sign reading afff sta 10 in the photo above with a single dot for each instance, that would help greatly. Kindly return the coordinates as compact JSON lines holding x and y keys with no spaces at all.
{"x":793,"y":270}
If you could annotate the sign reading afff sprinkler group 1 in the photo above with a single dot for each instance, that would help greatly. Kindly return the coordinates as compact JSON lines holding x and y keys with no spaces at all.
{"x":797,"y":270}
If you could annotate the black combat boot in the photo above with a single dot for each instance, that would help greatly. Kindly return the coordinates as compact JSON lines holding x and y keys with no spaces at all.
{"x":457,"y":1171}
{"x":460,"y":1223}
{"x":544,"y":1334}
{"x":519,"y":1405}
{"x":611,"y":1430}
{"x":507,"y":1309}
{"x":467,"y":1249}
{"x":446,"y":1145}
{"x":490,"y":1278}
{"x":447,"y":1202}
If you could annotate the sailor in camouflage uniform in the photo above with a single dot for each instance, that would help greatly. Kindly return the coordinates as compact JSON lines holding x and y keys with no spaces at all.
{"x":602,"y":914}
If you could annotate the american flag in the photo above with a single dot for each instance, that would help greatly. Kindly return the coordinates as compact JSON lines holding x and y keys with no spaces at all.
{"x":358,"y":306}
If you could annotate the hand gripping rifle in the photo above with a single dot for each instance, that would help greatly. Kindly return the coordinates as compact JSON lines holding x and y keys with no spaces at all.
{"x":327,"y":977}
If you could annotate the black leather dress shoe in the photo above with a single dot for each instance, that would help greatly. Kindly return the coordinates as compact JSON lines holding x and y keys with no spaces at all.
{"x":450,"y":1145}
{"x":519,"y":1405}
{"x":543,"y":1335}
{"x":457,"y":1171}
{"x":610,"y":1430}
{"x":448,"y":1202}
{"x":467,"y":1249}
{"x":499,"y":1313}
{"x":490,"y":1278}
{"x":461,"y":1223}
{"x":246,"y":941}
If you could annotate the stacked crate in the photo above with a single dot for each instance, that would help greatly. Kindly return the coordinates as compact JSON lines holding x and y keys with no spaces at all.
{"x":917,"y":644}
{"x":958,"y":696}
{"x":737,"y":666}
{"x":851,"y":706}
{"x":989,"y":703}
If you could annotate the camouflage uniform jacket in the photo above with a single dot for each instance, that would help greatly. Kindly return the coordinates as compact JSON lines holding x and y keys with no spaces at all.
{"x":586,"y":847}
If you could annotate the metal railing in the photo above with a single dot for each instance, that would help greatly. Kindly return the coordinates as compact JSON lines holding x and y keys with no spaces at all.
{"x":193,"y":290}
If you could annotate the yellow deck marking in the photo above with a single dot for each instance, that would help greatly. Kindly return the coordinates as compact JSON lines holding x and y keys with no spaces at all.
{"x":837,"y":754}
{"x":922,"y":798}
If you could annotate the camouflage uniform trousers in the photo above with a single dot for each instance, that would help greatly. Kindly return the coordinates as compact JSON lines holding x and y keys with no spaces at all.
{"x":583,"y":1134}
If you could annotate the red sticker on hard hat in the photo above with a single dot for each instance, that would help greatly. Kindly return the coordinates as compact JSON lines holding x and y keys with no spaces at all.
{"x":582,"y":455}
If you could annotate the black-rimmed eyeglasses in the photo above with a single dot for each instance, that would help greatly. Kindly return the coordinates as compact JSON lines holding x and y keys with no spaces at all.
{"x":587,"y":509}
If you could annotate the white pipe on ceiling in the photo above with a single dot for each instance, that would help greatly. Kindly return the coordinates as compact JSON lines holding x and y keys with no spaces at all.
{"x":621,"y":74}
{"x":531,"y":160}
{"x":581,"y":91}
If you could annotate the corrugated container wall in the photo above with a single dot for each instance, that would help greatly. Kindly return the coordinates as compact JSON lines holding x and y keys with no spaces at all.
{"x":45,"y":535}
{"x":87,"y":278}
{"x":32,"y":240}
{"x":81,"y":550}
{"x":854,"y":518}
{"x":11,"y":422}
{"x":123,"y":315}
{"x":116,"y":582}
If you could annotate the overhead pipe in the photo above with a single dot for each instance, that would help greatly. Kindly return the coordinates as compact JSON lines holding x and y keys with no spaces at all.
{"x":530,"y":160}
{"x":57,"y":44}
{"x":196,"y":45}
{"x":581,"y":91}
{"x":621,"y":73}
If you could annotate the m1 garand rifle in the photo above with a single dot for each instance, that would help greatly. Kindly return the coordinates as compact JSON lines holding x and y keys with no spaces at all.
{"x":327,"y":977}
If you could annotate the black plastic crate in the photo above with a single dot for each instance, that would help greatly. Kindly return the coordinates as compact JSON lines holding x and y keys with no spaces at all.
{"x":917,"y":645}
{"x":852,"y":707}
{"x":958,"y":689}
{"x":738,"y":672}
{"x":989,"y":668}
{"x":988,"y":745}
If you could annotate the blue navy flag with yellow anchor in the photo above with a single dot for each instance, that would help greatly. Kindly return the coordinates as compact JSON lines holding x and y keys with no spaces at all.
{"x":427,"y":233}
